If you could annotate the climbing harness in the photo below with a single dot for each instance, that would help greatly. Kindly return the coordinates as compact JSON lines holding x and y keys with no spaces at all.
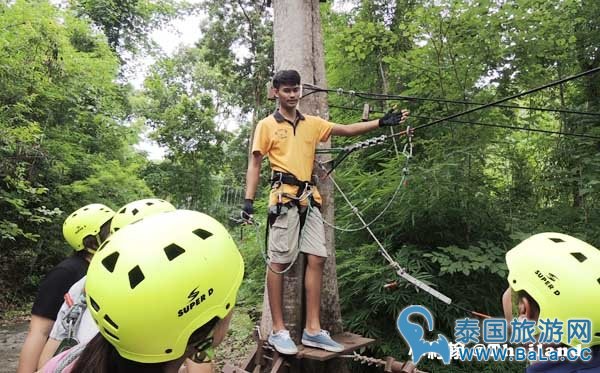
{"x":278,"y":179}
{"x":71,"y":322}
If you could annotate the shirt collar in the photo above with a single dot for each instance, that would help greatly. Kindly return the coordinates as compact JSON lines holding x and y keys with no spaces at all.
{"x":280,"y":118}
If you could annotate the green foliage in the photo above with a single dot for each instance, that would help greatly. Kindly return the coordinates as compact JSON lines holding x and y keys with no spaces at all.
{"x":67,"y":130}
{"x":485,"y":258}
{"x":63,"y":143}
{"x":128,"y":24}
{"x":188,"y":98}
{"x":473,"y":192}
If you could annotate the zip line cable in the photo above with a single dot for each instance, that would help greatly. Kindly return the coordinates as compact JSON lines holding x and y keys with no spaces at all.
{"x":347,"y":150}
{"x":385,"y":97}
{"x":514,"y":128}
{"x":512,"y":97}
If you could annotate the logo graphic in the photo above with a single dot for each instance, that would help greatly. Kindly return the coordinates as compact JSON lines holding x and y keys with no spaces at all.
{"x":550,"y":280}
{"x":489,"y":340}
{"x":193,"y":294}
{"x":413,"y":335}
{"x":281,"y":133}
{"x":195,"y":299}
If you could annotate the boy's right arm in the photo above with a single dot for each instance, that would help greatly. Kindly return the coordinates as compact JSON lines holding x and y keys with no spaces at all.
{"x":252,"y":179}
{"x":253,"y":174}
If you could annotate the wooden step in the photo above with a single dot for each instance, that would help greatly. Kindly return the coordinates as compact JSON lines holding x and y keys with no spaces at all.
{"x":350,"y":341}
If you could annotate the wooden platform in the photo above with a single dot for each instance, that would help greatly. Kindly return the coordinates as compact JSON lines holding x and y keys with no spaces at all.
{"x":264,"y":356}
{"x":350,"y":341}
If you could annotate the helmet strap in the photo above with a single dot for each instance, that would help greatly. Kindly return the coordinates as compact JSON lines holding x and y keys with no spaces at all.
{"x":98,"y":241}
{"x":204,"y":351}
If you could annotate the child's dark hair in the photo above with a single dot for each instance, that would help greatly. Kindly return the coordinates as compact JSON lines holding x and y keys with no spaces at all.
{"x":99,"y":356}
{"x":286,"y":77}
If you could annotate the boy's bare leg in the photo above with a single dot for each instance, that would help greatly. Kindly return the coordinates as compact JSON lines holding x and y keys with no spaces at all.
{"x":313,"y":279}
{"x":275,"y":290}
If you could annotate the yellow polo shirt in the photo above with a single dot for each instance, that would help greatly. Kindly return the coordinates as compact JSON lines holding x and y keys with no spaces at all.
{"x":291,"y":146}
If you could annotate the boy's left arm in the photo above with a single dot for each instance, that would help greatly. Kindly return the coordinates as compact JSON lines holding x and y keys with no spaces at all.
{"x":392,"y":118}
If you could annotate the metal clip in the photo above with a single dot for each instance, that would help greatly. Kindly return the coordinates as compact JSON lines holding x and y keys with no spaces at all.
{"x":408,"y":147}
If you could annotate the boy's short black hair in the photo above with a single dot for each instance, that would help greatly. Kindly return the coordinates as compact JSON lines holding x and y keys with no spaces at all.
{"x":286,"y":77}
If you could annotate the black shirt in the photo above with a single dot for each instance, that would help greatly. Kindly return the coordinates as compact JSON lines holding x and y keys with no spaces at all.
{"x":56,"y":284}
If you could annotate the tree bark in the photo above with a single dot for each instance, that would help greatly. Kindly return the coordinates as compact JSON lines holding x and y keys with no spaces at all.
{"x":299,"y":45}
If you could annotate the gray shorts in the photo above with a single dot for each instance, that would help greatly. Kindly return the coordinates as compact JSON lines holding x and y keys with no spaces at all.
{"x":285,"y":239}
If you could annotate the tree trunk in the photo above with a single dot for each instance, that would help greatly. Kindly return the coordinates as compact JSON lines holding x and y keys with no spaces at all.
{"x":299,"y":46}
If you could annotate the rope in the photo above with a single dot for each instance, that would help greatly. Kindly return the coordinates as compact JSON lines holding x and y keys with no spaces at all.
{"x":514,"y":128}
{"x":402,"y":182}
{"x":399,"y":270}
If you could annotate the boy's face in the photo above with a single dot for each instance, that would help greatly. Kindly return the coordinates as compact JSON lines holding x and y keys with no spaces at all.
{"x":288,"y":95}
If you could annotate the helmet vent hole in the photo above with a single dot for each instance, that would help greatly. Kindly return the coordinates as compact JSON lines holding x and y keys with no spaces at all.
{"x":173,"y":251}
{"x":111,"y":334}
{"x":204,"y":234}
{"x":116,"y":228}
{"x":579,"y":256}
{"x":95,"y":305}
{"x":135,"y":212}
{"x":111,"y":322}
{"x":111,"y":261}
{"x":168,"y":351}
{"x":135,"y":277}
{"x":149,"y":203}
{"x":122,"y":211}
{"x":227,"y":306}
{"x":557,"y":240}
{"x":597,"y":334}
{"x":85,"y":209}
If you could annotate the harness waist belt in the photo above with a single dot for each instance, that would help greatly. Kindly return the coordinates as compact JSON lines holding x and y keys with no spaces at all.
{"x":287,"y":178}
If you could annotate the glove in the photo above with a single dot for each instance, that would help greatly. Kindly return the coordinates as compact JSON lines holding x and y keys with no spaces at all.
{"x":247,"y":209}
{"x":392,"y":118}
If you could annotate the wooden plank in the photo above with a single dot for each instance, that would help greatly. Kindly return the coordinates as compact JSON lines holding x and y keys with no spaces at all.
{"x":250,"y":362}
{"x":350,"y":341}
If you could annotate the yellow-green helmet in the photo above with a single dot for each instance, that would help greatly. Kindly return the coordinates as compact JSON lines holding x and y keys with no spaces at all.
{"x":137,"y":210}
{"x":562,"y":274}
{"x":153,"y":283}
{"x":84,"y":222}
